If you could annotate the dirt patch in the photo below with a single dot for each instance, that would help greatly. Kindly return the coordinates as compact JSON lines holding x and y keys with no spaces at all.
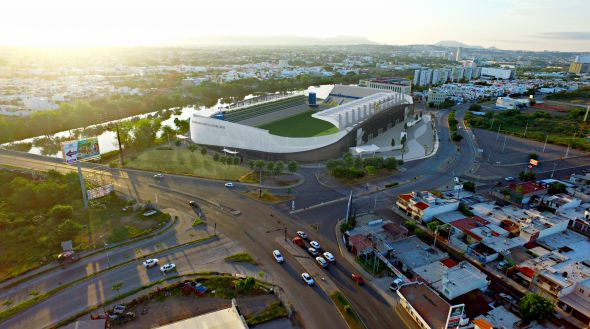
{"x":176,"y":308}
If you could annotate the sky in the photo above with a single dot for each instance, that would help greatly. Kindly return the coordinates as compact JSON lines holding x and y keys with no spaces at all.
{"x":506,"y":24}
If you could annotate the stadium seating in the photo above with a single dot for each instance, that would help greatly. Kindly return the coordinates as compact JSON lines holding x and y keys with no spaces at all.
{"x":263,"y":108}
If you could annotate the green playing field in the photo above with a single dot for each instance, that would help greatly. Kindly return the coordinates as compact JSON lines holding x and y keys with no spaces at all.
{"x":300,"y":125}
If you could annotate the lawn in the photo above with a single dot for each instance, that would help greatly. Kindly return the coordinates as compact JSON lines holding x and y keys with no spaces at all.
{"x":241,"y":257}
{"x":183,"y":161}
{"x":300,"y":125}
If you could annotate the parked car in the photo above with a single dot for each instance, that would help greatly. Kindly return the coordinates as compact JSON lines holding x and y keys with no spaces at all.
{"x":119,"y":309}
{"x":150,"y":262}
{"x":501,"y":265}
{"x":312,"y":251}
{"x":278,"y":257}
{"x":328,"y":255}
{"x":357,"y":278}
{"x":302,"y":234}
{"x":315,"y":244}
{"x":323,"y":263}
{"x":507,"y":298}
{"x":192,"y":203}
{"x":299,"y":242}
{"x":396,"y":283}
{"x":168,"y":268}
{"x":159,"y":176}
{"x":509,"y":179}
{"x":307,"y":278}
{"x":229,"y":185}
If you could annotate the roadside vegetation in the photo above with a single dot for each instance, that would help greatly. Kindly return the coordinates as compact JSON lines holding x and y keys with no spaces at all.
{"x":581,"y":94}
{"x":38,"y":212}
{"x":351,"y":168}
{"x":349,"y":314}
{"x":242,"y":257}
{"x":273,"y":311}
{"x":568,"y":130}
{"x":455,"y":136}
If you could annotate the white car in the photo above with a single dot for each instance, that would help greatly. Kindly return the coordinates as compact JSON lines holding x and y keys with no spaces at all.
{"x":328,"y":255}
{"x":302,"y":234}
{"x":150,"y":262}
{"x":307,"y":278}
{"x":509,"y":179}
{"x":229,"y":185}
{"x":396,"y":284}
{"x":159,"y":176}
{"x":312,"y":251}
{"x":278,"y":257}
{"x":167,"y":268}
{"x":315,"y":245}
{"x":323,"y":263}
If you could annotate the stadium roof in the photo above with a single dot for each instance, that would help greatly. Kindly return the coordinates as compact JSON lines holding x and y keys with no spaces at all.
{"x":349,"y":114}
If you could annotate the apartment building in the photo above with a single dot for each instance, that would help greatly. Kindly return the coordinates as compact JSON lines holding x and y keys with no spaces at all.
{"x":423,"y":206}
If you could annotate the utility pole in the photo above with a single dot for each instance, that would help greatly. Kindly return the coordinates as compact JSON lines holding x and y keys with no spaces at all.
{"x":498,"y":133}
{"x":586,"y":115}
{"x":545,"y":145}
{"x":492,"y":125}
{"x":120,"y":146}
{"x":503,"y":146}
{"x":82,"y":186}
{"x":553,"y":171}
{"x":525,"y":129}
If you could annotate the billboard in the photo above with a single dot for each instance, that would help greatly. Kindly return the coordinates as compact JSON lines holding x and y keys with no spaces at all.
{"x":534,"y":162}
{"x":100,"y":191}
{"x":455,"y":315}
{"x":80,"y":150}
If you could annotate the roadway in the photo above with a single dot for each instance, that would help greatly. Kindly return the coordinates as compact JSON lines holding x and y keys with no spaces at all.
{"x":255,"y":231}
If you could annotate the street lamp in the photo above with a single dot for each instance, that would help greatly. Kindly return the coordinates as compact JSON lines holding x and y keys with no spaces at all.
{"x":107,"y":250}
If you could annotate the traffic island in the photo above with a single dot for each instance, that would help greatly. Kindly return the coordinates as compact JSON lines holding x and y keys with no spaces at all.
{"x":348,"y":313}
{"x":181,"y":297}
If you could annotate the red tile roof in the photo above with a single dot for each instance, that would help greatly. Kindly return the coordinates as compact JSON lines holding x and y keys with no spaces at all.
{"x":448,"y":262}
{"x":469,"y":223}
{"x":421,"y":205}
{"x":526,"y":271}
{"x":482,"y":324}
{"x":406,"y":197}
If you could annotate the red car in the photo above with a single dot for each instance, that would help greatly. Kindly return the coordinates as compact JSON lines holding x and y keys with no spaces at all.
{"x":358,"y":279}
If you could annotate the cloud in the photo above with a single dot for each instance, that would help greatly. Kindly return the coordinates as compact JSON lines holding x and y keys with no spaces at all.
{"x":563,"y":35}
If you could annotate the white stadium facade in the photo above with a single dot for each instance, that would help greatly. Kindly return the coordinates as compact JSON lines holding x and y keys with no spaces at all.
{"x":359,"y":114}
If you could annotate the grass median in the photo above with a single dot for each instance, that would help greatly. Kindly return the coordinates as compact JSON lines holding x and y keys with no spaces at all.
{"x":41,"y":297}
{"x":350,"y":316}
{"x":242,"y":257}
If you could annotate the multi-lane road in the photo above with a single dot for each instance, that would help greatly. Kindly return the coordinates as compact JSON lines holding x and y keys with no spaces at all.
{"x":258,"y":230}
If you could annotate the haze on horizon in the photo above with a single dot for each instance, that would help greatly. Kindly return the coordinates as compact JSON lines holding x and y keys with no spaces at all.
{"x":506,"y":24}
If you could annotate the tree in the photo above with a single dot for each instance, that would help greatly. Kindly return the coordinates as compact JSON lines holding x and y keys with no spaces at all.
{"x":533,"y":156}
{"x":192,"y":147}
{"x":203,"y":150}
{"x":279,"y":167}
{"x":475,"y":107}
{"x":236,"y":160}
{"x":371,"y":170}
{"x":168,"y":133}
{"x":60,"y":212}
{"x":117,"y":287}
{"x":393,"y":142}
{"x":177,"y":143}
{"x":68,"y":230}
{"x":469,"y":186}
{"x":259,"y":165}
{"x":251,"y":164}
{"x":390,"y":163}
{"x":292,"y":166}
{"x":533,"y":307}
{"x":215,"y":156}
{"x":270,"y":166}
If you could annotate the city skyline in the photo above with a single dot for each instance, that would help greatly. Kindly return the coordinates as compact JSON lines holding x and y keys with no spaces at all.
{"x":505,"y":24}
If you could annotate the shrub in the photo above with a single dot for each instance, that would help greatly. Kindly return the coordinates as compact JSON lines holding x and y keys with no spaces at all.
{"x":68,"y":230}
{"x":60,"y":212}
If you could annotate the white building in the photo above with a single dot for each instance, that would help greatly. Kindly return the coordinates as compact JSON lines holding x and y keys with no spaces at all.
{"x":423,"y":206}
{"x":497,"y":73}
{"x":510,"y":103}
{"x":454,"y":281}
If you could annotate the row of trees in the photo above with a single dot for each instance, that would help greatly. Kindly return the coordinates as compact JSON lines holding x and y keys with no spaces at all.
{"x":273,"y":168}
{"x":455,"y":136}
{"x":351,"y":168}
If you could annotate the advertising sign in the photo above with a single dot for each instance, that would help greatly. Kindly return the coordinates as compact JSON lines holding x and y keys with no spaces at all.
{"x":534,"y":162}
{"x":455,"y":315}
{"x":100,"y":192}
{"x":80,"y":150}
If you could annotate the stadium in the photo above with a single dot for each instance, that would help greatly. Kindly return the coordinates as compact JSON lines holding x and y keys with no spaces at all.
{"x":296,"y":127}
